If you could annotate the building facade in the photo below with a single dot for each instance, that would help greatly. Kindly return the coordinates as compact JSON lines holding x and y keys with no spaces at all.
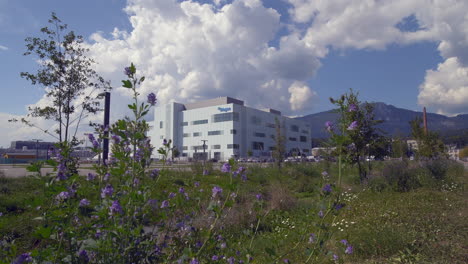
{"x":222,"y":128}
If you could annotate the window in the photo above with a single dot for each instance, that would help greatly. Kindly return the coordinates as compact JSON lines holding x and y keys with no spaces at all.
{"x":161,"y":137}
{"x":215,"y":133}
{"x":305,"y":150}
{"x":270,"y":125}
{"x":233,"y":116}
{"x":186,"y":134}
{"x":272,"y":148}
{"x":197,"y":134}
{"x":215,"y":146}
{"x":293,"y":139}
{"x":303,"y":131}
{"x":184,"y":124}
{"x":184,"y":154}
{"x":198,"y":148}
{"x":258,"y":134}
{"x":233,"y":131}
{"x":294,"y":128}
{"x":256,"y":120}
{"x":160,"y":124}
{"x":184,"y":148}
{"x":257,"y":145}
{"x":233,"y":146}
{"x":303,"y":138}
{"x":200,"y":122}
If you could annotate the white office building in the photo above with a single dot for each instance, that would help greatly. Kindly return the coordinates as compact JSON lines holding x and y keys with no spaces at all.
{"x":222,"y":128}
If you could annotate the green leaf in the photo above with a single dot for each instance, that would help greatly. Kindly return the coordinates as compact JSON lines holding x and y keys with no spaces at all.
{"x":127,"y":84}
{"x":43,"y":232}
{"x":270,"y":251}
{"x":142,"y":79}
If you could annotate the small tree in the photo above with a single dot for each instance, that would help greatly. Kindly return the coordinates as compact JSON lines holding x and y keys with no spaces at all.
{"x":399,"y":148}
{"x":357,"y":136}
{"x":429,"y":144}
{"x":280,"y":148}
{"x":65,"y":72}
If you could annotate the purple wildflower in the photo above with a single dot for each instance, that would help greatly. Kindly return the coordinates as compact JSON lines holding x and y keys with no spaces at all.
{"x":320,"y":214}
{"x":152,"y":99}
{"x":335,"y":257}
{"x":139,"y":154}
{"x":61,"y":176}
{"x":216,"y":190}
{"x":84,"y":202}
{"x":181,"y":190}
{"x":194,"y":261}
{"x":23,"y":258}
{"x":197,"y":184}
{"x":312,"y":238}
{"x":91,"y":176}
{"x":205,"y":172}
{"x":116,"y":139}
{"x":127,"y":71}
{"x":136,"y":182}
{"x":339,"y":206}
{"x":63,"y":196}
{"x":83,"y":256}
{"x":164,"y":141}
{"x":325,"y":174}
{"x":115,"y":208}
{"x":171,"y":195}
{"x":286,"y":260}
{"x":329,"y":126}
{"x":214,"y":258}
{"x":226,"y":167}
{"x":107,"y":191}
{"x":154,"y":173}
{"x":349,"y":249}
{"x":91,"y":137}
{"x":258,"y":196}
{"x":344,"y":242}
{"x":352,"y":108}
{"x":165,"y":204}
{"x":96,"y":144}
{"x":106,"y":177}
{"x":353,"y":125}
{"x":327,"y":188}
{"x":231,"y":260}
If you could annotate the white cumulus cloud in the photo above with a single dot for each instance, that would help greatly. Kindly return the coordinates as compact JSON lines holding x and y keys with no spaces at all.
{"x":3,"y":47}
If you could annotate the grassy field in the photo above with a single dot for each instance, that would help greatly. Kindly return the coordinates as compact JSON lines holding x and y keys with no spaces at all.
{"x":420,"y":218}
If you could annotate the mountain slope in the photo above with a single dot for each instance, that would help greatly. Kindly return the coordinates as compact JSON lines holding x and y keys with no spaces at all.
{"x":396,"y":121}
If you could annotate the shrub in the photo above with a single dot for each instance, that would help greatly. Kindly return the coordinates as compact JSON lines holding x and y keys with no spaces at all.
{"x":398,"y":175}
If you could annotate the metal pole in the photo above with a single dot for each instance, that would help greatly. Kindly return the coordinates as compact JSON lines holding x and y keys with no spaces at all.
{"x":105,"y":151}
{"x":204,"y":144}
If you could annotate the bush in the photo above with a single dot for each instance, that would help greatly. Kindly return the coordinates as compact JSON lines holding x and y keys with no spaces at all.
{"x":400,"y":177}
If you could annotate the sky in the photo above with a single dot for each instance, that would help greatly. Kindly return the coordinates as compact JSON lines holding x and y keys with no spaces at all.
{"x":290,"y":55}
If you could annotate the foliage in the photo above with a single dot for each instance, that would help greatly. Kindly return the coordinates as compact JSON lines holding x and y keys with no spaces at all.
{"x":356,"y":136}
{"x":399,"y":148}
{"x":464,"y":153}
{"x":65,"y":72}
{"x":280,"y":148}
{"x":429,"y":144}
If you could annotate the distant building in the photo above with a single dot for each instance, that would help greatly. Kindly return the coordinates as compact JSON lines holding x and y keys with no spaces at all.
{"x":228,"y":128}
{"x":31,"y":145}
{"x":412,"y":144}
{"x":453,"y":152}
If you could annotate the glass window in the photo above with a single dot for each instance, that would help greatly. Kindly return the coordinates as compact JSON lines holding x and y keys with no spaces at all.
{"x":197,"y":134}
{"x":270,"y":125}
{"x":184,"y":148}
{"x":160,"y":124}
{"x":233,"y":146}
{"x":215,"y":133}
{"x":233,"y":131}
{"x":256,"y":120}
{"x":293,"y":139}
{"x":258,"y":134}
{"x":233,"y":116}
{"x":184,"y":124}
{"x":303,"y":131}
{"x":257,"y":145}
{"x":215,"y":146}
{"x":200,"y":122}
{"x":294,"y":128}
{"x":303,"y":138}
{"x":186,"y":134}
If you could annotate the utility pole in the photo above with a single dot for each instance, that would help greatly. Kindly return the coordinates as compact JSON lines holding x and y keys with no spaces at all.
{"x":105,"y":150}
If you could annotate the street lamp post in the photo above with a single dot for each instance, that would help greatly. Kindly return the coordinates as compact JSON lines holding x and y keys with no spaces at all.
{"x":105,"y":147}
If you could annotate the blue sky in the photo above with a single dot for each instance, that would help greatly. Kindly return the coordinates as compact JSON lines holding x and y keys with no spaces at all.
{"x":287,"y":54}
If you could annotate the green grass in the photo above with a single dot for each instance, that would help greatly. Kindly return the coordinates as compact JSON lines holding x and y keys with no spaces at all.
{"x":425,"y":225}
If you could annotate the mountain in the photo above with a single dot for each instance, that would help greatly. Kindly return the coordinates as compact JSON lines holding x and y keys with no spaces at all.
{"x":396,"y":121}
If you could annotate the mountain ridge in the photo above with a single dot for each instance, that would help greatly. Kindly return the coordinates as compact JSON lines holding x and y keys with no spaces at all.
{"x":396,"y":120}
